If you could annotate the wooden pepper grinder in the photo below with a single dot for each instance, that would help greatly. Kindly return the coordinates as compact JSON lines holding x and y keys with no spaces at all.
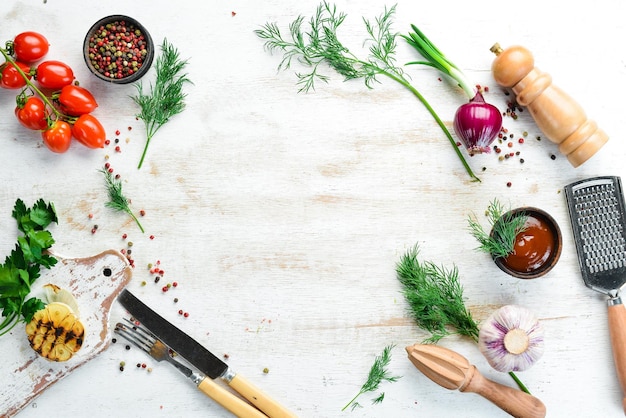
{"x":557,"y":115}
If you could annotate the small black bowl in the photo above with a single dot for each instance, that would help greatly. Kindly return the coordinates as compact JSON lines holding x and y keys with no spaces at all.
{"x":124,"y":69}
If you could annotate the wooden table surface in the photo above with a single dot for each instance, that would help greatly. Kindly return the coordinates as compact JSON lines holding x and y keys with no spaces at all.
{"x":281,"y":215}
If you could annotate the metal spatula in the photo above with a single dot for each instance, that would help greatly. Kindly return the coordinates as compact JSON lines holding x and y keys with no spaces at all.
{"x":598,"y":216}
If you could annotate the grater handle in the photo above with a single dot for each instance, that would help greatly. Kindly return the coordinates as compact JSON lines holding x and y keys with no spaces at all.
{"x":617,"y":330}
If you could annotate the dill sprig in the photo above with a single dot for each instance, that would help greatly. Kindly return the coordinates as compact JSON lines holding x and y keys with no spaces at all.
{"x":377,"y":374}
{"x":435,"y":297}
{"x":166,"y":97}
{"x":321,"y":45}
{"x":505,"y":226}
{"x":117,"y":200}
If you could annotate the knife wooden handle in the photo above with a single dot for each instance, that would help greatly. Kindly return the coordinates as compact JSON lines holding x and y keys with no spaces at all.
{"x":514,"y":402}
{"x":228,"y":400}
{"x":617,"y":329}
{"x":262,"y":401}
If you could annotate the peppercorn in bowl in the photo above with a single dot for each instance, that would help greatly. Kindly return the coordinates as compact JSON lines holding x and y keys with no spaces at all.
{"x":118,"y":49}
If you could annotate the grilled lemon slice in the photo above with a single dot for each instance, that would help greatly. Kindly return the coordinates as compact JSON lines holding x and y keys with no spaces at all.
{"x":55,"y":332}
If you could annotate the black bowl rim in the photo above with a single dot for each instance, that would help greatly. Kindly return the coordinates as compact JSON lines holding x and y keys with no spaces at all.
{"x":146,"y":63}
{"x":554,"y":226}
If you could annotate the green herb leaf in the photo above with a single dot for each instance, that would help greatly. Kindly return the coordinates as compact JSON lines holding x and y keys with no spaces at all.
{"x":166,"y":97}
{"x":505,"y":225}
{"x":117,"y":200}
{"x":435,"y":297}
{"x":377,"y":374}
{"x":31,"y":306}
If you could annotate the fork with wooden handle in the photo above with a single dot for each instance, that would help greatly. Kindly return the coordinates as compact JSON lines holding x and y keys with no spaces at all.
{"x":147,"y":342}
{"x":453,"y":371}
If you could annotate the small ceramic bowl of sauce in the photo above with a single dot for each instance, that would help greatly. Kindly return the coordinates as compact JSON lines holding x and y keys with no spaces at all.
{"x":537,"y":248}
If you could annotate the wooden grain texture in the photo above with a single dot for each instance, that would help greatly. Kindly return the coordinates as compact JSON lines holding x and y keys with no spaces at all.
{"x":281,"y":216}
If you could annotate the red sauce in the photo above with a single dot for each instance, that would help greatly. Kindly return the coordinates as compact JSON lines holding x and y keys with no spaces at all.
{"x":533,"y":247}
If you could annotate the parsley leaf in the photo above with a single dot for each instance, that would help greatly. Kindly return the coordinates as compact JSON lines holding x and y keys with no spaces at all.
{"x":23,"y":266}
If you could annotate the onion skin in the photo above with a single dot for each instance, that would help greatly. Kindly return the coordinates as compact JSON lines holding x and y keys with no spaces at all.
{"x":477,"y":123}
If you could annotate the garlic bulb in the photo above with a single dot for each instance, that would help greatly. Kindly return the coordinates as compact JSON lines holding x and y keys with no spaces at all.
{"x":511,"y":339}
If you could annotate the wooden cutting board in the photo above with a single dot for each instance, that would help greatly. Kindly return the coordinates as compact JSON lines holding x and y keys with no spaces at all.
{"x":95,"y":282}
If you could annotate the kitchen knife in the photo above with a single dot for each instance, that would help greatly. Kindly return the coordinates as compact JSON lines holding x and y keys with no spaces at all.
{"x":198,"y":356}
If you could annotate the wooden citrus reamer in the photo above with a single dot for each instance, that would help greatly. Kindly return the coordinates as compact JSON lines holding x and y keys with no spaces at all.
{"x":452,"y":371}
{"x":561,"y":119}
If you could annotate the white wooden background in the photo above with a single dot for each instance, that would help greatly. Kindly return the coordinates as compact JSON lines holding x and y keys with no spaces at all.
{"x":282,"y":215}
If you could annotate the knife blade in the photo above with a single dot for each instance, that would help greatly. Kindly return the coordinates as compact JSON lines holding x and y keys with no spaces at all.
{"x":199,"y":356}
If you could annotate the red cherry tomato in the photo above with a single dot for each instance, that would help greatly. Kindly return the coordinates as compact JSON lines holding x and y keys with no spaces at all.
{"x":76,"y":101}
{"x":89,"y":131}
{"x":32,"y":114}
{"x":54,"y":74}
{"x":30,"y":46}
{"x":58,"y":137}
{"x":11,"y":78}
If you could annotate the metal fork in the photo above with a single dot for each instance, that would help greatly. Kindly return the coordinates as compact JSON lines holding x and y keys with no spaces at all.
{"x":146,"y":341}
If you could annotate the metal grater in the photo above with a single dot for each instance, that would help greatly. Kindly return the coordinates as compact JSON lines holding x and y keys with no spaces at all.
{"x":597,"y":213}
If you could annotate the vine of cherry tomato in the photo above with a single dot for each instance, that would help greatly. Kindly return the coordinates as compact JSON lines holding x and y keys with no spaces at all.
{"x":64,"y":109}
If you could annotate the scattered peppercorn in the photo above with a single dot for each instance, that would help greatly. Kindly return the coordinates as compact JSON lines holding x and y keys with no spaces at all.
{"x":552,"y":157}
{"x":509,"y":184}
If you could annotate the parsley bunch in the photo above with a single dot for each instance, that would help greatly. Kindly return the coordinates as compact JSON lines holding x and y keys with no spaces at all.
{"x":23,"y":266}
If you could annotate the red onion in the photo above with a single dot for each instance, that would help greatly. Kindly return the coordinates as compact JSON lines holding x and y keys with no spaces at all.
{"x":477,"y":124}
